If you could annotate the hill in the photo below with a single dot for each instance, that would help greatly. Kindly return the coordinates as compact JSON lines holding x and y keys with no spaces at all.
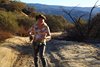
{"x":56,"y":10}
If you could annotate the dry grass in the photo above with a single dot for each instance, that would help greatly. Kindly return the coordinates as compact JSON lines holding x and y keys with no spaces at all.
{"x":4,"y":35}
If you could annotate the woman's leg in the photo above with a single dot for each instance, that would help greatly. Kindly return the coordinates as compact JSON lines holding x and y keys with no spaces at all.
{"x":35,"y":50}
{"x":41,"y":53}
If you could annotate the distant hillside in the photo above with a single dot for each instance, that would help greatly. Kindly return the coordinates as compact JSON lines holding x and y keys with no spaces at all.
{"x":56,"y":10}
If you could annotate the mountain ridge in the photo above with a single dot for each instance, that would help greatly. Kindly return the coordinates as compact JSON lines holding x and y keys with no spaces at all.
{"x":57,"y":10}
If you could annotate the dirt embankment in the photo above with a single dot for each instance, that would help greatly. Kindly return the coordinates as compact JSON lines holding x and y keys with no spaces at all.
{"x":17,"y":52}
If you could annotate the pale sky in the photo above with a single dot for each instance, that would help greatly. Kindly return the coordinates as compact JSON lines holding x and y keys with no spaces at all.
{"x":81,"y":3}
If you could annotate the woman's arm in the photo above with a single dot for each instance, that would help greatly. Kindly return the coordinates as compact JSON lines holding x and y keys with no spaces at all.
{"x":31,"y":32}
{"x":48,"y":37}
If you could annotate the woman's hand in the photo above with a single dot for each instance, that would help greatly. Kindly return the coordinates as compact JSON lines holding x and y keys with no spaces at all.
{"x":30,"y":38}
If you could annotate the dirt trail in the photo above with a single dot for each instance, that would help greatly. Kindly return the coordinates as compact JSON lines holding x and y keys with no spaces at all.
{"x":17,"y":52}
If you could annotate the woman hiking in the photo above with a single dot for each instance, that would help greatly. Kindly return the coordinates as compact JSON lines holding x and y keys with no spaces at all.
{"x":41,"y":33}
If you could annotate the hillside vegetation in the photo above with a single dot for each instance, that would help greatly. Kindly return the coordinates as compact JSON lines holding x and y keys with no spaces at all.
{"x":17,"y":51}
{"x":16,"y":18}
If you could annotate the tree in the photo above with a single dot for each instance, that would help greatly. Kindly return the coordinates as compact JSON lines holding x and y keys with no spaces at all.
{"x":95,"y":30}
{"x":82,"y":31}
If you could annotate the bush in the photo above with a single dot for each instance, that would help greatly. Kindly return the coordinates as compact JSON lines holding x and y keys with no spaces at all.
{"x":12,"y":19}
{"x":77,"y":31}
{"x":24,"y":24}
{"x":4,"y":35}
{"x":56,"y":23}
{"x":22,"y":32}
{"x":4,"y":1}
{"x":15,"y":22}
{"x":16,"y":6}
{"x":95,"y":30}
{"x":8,"y":21}
{"x":2,"y":9}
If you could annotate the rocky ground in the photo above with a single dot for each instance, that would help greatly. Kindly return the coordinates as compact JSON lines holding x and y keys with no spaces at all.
{"x":17,"y":52}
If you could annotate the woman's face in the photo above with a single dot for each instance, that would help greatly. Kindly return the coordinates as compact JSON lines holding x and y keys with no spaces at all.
{"x":40,"y":20}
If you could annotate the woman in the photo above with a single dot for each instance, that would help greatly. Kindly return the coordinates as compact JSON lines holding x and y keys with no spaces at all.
{"x":41,"y":33}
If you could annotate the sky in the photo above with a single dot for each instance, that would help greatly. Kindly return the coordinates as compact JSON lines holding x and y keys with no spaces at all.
{"x":81,"y":3}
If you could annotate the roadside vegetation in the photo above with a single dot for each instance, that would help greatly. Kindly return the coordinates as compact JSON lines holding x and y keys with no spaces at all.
{"x":16,"y":18}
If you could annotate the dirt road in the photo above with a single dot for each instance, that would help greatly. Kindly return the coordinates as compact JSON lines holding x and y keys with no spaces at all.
{"x":17,"y":52}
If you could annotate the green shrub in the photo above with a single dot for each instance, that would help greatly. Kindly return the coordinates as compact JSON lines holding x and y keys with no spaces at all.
{"x":8,"y":21}
{"x":95,"y":24}
{"x":22,"y":31}
{"x":56,"y":23}
{"x":24,"y":23}
{"x":5,"y":1}
{"x":16,"y":6}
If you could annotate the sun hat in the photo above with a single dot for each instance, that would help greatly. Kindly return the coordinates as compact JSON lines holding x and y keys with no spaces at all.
{"x":40,"y":16}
